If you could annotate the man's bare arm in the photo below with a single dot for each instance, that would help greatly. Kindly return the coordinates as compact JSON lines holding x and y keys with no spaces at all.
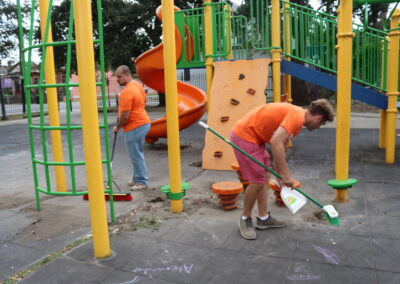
{"x":122,"y":119}
{"x":278,"y":144}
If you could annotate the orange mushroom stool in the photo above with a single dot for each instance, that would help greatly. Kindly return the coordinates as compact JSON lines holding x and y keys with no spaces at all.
{"x":275,"y":185}
{"x":236,"y":167}
{"x":228,"y":192}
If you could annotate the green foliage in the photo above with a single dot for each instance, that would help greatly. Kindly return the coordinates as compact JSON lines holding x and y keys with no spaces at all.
{"x":129,"y":29}
{"x":376,"y":13}
{"x":9,"y":32}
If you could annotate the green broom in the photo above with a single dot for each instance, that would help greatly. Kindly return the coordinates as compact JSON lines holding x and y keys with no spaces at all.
{"x":330,"y":212}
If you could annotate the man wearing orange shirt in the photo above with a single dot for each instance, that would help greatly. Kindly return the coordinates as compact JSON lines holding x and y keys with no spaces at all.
{"x":274,"y":124}
{"x":135,"y":123}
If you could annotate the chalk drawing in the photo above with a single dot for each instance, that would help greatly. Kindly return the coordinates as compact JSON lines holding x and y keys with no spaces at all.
{"x":134,"y":280}
{"x":302,"y":273}
{"x":329,"y":256}
{"x":182,"y":268}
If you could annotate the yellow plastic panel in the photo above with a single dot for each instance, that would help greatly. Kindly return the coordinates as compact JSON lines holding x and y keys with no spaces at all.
{"x":227,"y":87}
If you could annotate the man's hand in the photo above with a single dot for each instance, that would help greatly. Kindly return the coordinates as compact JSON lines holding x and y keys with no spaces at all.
{"x":122,"y":119}
{"x":288,"y":181}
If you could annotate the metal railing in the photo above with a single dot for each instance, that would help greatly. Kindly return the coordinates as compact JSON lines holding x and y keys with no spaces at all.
{"x":313,"y":41}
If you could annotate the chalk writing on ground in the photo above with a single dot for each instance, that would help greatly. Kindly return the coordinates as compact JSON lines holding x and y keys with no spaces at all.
{"x":302,"y":273}
{"x":182,"y":268}
{"x":134,"y":280}
{"x":329,"y":256}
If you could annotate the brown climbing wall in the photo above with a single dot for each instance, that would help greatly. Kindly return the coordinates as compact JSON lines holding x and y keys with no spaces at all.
{"x":237,"y":87}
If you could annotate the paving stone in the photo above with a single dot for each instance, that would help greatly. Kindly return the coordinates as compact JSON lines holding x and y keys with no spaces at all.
{"x":8,"y":224}
{"x":124,"y":277}
{"x":201,"y":233}
{"x":51,"y":245}
{"x":311,"y":272}
{"x":385,"y":226}
{"x":169,"y":261}
{"x":270,"y":242}
{"x":386,"y":254}
{"x":15,"y":258}
{"x":388,"y":277}
{"x":237,"y":267}
{"x":69,"y":271}
{"x":337,"y":249}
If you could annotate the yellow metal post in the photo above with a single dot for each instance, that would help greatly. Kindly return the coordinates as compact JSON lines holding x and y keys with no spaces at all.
{"x":209,"y":49}
{"x":382,"y":128}
{"x":345,"y":38}
{"x":228,"y":24}
{"x":174,"y":158}
{"x":52,"y":100}
{"x":276,"y":51}
{"x":287,"y":79}
{"x":392,"y":93}
{"x":90,"y":126}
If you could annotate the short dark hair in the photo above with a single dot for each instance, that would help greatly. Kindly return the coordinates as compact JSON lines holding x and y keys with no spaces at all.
{"x":322,"y":107}
{"x":124,"y":69}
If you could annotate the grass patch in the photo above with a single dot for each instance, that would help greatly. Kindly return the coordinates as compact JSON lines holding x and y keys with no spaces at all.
{"x":152,"y":223}
{"x":41,"y":263}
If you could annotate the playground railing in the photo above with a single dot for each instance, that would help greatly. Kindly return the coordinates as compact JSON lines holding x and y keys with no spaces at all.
{"x":260,"y":25}
{"x":312,"y":36}
{"x":229,"y":35}
{"x":313,"y":41}
{"x":370,"y":51}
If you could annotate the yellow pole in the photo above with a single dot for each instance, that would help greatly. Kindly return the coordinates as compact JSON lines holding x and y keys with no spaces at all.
{"x":90,"y":126}
{"x":209,"y":49}
{"x":174,"y":158}
{"x":382,"y":128}
{"x":228,"y":23}
{"x":345,"y":38}
{"x":392,"y":93}
{"x":52,"y":100}
{"x":276,"y":51}
{"x":287,"y":79}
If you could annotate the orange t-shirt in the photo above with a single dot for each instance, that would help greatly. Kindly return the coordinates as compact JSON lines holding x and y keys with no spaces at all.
{"x":260,"y":124}
{"x":133,"y":98}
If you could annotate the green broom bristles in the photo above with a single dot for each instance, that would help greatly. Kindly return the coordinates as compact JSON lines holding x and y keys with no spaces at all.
{"x":332,"y":221}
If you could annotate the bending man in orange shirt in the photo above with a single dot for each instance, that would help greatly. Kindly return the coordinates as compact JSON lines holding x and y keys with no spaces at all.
{"x":275,"y":124}
{"x":133,"y":119}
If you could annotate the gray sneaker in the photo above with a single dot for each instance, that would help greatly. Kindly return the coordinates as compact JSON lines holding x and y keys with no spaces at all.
{"x":271,"y":222}
{"x":246,"y":228}
{"x":138,"y":186}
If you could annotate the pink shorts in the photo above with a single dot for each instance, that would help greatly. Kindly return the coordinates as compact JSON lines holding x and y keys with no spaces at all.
{"x":251,"y":171}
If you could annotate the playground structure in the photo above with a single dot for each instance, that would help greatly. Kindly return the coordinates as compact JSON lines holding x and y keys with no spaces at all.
{"x":322,"y":46}
{"x":150,"y":69}
{"x":209,"y":34}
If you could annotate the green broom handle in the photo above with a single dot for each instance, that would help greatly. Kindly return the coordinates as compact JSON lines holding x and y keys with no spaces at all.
{"x":256,"y":161}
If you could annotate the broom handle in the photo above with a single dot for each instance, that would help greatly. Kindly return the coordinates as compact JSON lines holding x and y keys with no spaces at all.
{"x":113,"y":147}
{"x":257,"y":162}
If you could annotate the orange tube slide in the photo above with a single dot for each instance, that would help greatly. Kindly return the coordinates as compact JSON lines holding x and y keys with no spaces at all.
{"x":192,"y":100}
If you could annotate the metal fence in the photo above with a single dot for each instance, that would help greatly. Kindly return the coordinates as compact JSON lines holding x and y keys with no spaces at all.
{"x":12,"y":101}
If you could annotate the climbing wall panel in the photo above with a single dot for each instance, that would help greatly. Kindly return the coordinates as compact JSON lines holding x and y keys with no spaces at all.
{"x":237,"y":87}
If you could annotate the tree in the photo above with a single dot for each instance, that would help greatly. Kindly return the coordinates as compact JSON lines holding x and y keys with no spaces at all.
{"x":9,"y":32}
{"x":129,"y":28}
